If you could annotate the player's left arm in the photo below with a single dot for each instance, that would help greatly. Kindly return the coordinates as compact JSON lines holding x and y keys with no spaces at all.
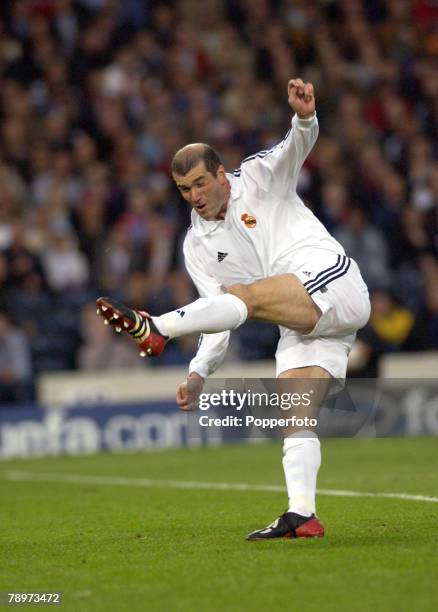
{"x":276,"y":171}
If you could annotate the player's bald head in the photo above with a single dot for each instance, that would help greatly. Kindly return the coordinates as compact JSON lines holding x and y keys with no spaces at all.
{"x":189,"y":156}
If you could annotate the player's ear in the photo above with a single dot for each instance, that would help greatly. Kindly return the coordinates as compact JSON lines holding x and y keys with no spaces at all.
{"x":221,"y":174}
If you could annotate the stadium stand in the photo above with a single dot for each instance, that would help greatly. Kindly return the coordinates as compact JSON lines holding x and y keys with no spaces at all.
{"x":96,"y":96}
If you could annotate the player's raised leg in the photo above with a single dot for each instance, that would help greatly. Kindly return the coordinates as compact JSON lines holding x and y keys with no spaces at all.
{"x":281,"y":300}
{"x":207,"y":315}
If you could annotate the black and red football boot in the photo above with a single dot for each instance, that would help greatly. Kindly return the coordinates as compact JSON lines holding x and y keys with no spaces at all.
{"x":138,"y":324}
{"x":290,"y":525}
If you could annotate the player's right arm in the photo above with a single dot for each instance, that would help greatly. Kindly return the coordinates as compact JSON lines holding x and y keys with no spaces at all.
{"x":212,"y":347}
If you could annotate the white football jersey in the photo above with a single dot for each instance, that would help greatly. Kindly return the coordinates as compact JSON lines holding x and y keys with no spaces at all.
{"x":267,"y":230}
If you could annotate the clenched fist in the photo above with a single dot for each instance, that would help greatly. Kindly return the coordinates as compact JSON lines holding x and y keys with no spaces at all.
{"x":301,"y":98}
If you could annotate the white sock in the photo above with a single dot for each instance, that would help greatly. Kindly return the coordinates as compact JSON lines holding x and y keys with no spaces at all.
{"x":206,"y":315}
{"x":301,"y":461}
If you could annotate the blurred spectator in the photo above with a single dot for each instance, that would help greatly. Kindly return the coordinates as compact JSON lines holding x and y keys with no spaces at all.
{"x":23,"y":263}
{"x":391,"y":328}
{"x":64,"y":265}
{"x":334,"y":204}
{"x":367,"y":246}
{"x":102,"y":349}
{"x":15,"y":364}
{"x":3,"y":282}
{"x":431,"y":315}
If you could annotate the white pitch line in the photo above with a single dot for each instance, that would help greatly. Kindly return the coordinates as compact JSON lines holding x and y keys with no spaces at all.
{"x":187,"y":484}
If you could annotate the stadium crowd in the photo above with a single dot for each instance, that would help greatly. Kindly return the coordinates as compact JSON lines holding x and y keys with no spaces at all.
{"x":97,"y":95}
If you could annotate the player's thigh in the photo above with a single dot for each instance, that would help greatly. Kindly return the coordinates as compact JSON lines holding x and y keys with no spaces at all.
{"x":281,"y":300}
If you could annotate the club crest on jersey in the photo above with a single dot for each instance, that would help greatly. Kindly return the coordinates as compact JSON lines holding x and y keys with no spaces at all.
{"x":248,"y":220}
{"x":221,"y":256}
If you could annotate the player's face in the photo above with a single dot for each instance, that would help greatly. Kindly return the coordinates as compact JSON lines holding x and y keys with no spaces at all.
{"x":206,"y":193}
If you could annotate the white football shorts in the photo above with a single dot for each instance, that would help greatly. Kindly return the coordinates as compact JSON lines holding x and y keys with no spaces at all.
{"x":337,"y":287}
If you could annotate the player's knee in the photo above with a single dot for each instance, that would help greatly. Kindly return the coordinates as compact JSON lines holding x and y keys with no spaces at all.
{"x":245,"y":294}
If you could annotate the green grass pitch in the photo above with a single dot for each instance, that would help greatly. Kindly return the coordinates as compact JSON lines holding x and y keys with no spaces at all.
{"x":110,"y":547}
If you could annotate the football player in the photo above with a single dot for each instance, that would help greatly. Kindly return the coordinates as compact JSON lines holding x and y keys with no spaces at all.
{"x":255,"y":251}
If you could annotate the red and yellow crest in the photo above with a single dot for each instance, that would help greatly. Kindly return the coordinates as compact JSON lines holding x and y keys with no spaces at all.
{"x":248,"y":220}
